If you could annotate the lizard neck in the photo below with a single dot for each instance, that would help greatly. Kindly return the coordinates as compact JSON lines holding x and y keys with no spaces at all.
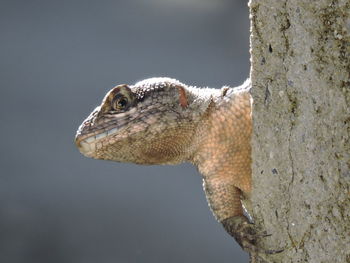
{"x":219,"y":139}
{"x":183,"y":141}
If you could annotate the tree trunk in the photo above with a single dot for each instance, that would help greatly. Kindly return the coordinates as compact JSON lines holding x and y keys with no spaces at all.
{"x":300,"y":55}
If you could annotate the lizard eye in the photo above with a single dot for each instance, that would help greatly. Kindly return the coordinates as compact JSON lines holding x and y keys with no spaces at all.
{"x":120,"y":102}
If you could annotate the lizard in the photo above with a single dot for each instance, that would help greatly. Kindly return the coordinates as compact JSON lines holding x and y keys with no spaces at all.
{"x":163,"y":121}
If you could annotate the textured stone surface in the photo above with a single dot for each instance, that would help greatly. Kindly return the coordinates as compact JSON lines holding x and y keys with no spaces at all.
{"x":300,"y":56}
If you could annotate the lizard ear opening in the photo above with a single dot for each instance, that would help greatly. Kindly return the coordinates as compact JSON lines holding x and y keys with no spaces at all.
{"x":182,"y":96}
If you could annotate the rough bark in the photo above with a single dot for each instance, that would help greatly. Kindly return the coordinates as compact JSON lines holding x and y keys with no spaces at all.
{"x":300,"y":55}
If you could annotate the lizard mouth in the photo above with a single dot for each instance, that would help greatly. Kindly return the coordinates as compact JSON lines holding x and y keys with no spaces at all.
{"x":88,"y":143}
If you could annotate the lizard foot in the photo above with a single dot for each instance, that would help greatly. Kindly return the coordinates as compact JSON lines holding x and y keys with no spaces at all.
{"x":246,"y":235}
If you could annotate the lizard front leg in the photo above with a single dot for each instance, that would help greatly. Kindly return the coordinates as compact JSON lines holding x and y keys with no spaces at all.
{"x":225,"y":201}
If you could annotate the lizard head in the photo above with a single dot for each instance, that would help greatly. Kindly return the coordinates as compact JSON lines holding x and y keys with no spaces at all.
{"x":146,"y":123}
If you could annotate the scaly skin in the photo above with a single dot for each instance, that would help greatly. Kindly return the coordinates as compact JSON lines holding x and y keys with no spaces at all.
{"x":163,"y":121}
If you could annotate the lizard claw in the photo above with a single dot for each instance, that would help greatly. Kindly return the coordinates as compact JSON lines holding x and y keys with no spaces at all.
{"x":246,"y":235}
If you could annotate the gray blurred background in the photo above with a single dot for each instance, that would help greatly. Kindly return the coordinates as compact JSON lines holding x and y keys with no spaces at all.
{"x":57,"y":60}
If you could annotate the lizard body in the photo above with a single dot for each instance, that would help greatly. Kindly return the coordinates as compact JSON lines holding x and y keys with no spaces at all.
{"x":163,"y":121}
